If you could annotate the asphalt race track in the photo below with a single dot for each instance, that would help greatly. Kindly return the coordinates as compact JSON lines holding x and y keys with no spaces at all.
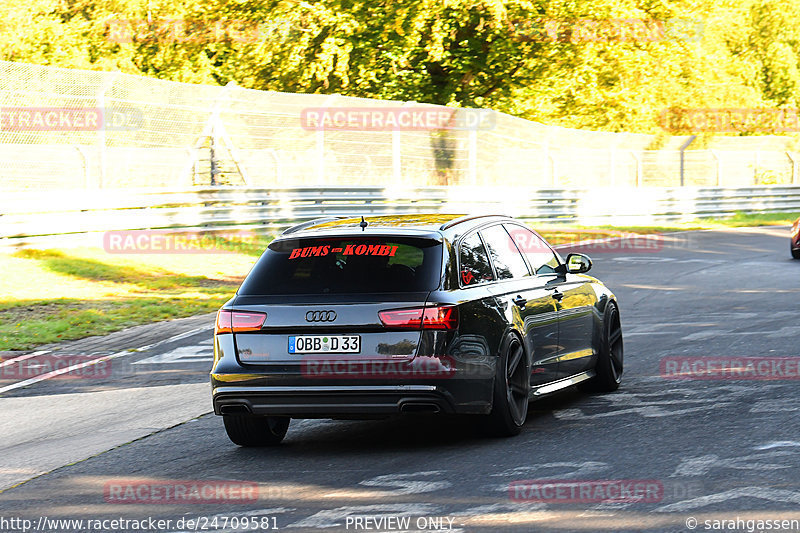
{"x":704,"y":449}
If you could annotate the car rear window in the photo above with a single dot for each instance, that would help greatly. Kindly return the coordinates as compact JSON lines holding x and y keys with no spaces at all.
{"x":346,"y":265}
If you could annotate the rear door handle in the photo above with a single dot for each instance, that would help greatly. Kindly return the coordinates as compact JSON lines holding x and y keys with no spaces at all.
{"x":519,"y":301}
{"x":557,"y":295}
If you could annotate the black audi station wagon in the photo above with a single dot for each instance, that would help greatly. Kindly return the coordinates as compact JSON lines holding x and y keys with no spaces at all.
{"x":428,"y":314}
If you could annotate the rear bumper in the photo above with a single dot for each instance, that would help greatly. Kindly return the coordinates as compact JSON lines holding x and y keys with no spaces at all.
{"x":334,"y":401}
{"x":457,"y":384}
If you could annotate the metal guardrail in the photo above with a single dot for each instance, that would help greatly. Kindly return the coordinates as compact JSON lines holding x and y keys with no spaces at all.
{"x":31,"y":215}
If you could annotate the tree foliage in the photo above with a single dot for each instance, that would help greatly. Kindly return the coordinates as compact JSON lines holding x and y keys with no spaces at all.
{"x":611,"y":65}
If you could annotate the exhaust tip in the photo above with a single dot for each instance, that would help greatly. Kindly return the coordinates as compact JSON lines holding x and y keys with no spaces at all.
{"x":234,"y":409}
{"x":420,"y":408}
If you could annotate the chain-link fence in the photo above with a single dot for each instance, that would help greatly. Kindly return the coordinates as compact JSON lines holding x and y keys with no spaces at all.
{"x":67,"y":129}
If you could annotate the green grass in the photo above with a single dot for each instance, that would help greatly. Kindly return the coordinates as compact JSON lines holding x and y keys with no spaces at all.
{"x":27,"y":324}
{"x":760,"y":219}
{"x":560,"y":234}
{"x":55,"y":295}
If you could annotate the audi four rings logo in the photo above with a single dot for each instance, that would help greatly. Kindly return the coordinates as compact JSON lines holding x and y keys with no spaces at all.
{"x":320,"y":316}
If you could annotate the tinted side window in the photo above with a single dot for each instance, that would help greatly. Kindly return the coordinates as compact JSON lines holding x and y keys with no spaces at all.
{"x":539,"y":255}
{"x":508,"y":263}
{"x":475,"y":267}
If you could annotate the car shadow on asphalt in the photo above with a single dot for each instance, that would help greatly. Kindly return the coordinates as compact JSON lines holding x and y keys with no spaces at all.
{"x":407,"y":432}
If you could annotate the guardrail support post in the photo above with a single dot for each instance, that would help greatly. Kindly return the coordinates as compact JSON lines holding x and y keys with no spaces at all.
{"x":717,"y":163}
{"x":756,"y":164}
{"x":213,"y":161}
{"x":101,"y":132}
{"x":84,"y":166}
{"x":683,"y":148}
{"x":191,"y":166}
{"x":794,"y":167}
{"x":638,"y":161}
{"x":278,"y":170}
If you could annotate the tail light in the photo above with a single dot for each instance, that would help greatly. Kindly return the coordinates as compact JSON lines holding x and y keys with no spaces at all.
{"x":442,"y":317}
{"x":238,"y":321}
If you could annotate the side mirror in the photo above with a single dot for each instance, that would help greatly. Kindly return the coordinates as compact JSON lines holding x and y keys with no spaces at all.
{"x":578,"y":263}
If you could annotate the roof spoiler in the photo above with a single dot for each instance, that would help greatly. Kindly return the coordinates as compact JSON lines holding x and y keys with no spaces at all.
{"x":308,"y":224}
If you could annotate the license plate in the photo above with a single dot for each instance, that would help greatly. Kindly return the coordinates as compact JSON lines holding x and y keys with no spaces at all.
{"x":325,"y":344}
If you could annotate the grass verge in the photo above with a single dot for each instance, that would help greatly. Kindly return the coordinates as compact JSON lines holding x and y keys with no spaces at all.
{"x":54,"y":295}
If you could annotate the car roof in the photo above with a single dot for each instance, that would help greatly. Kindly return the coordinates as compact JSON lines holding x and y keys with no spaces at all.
{"x":420,"y":224}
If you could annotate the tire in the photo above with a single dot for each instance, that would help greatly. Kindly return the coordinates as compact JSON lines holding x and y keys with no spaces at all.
{"x":512,"y":386}
{"x":795,"y":251}
{"x":610,"y":359}
{"x":250,"y":430}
